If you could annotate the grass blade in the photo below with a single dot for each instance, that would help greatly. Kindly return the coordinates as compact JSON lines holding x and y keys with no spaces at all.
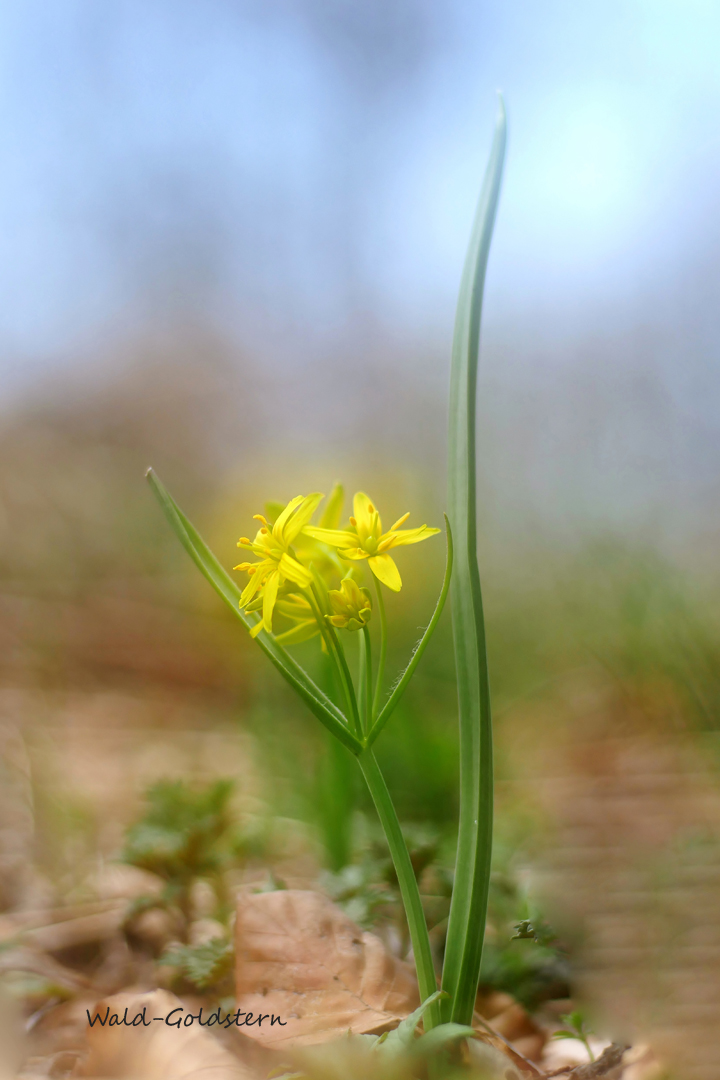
{"x":472,"y":874}
{"x":319,"y":704}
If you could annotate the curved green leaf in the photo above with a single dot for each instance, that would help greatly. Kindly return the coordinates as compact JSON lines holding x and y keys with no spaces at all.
{"x":440,"y":1037}
{"x":403,"y":1036}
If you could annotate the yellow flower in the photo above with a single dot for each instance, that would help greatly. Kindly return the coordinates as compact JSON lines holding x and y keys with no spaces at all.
{"x":325,"y":560}
{"x":351,"y":606}
{"x":364,"y":539}
{"x":277,"y":560}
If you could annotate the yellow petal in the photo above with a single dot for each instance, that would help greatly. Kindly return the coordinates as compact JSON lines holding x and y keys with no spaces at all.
{"x":301,"y":517}
{"x":250,"y":589}
{"x":406,"y":536}
{"x":364,"y":517}
{"x":334,"y":537}
{"x":282,"y":518}
{"x":291,"y":568}
{"x":255,"y":630}
{"x":269,"y":597}
{"x":386,"y":571}
{"x":354,"y":553}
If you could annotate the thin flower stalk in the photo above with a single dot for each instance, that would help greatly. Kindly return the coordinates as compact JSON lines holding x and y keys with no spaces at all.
{"x":380,"y":676}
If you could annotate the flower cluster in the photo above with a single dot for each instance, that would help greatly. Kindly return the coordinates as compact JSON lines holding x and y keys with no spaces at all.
{"x":298,"y":561}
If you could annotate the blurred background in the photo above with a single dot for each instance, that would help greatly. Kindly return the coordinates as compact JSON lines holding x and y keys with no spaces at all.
{"x":233,"y":234}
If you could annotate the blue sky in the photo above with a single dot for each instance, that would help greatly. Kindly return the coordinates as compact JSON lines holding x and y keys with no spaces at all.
{"x":285,"y":168}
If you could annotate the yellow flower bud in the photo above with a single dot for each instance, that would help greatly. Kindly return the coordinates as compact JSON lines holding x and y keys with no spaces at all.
{"x":351,"y":606}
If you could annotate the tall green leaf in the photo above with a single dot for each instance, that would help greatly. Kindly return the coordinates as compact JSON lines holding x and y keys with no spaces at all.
{"x":323,"y":708}
{"x":472,"y":874}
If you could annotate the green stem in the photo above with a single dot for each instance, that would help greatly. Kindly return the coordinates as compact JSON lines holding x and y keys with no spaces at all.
{"x":338,"y":654}
{"x":361,"y":685}
{"x":407,"y":881}
{"x":383,"y":649}
{"x":366,"y":679}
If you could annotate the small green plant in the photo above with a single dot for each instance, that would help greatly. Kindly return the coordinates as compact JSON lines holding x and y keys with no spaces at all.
{"x":187,"y":834}
{"x":206,"y":967}
{"x":576,"y":1029}
{"x":306,"y":574}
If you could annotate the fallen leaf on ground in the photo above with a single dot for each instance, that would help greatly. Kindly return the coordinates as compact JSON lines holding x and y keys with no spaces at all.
{"x":157,"y":1052}
{"x":301,"y":958}
{"x":12,"y":925}
{"x":84,"y":930}
{"x":39,"y":963}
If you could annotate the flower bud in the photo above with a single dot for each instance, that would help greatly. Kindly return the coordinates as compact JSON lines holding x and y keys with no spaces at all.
{"x":351,"y":606}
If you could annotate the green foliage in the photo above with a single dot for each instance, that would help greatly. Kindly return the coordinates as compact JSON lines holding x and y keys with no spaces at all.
{"x":205,"y":967}
{"x":532,"y":973}
{"x":187,"y":834}
{"x":522,"y":954}
{"x":577,"y":1029}
{"x":358,"y":889}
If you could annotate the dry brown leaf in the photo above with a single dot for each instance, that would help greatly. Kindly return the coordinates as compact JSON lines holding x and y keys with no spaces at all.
{"x":39,"y":963}
{"x":81,"y":931}
{"x":299,"y":957}
{"x":157,"y":1052}
{"x":16,"y":923}
{"x":492,"y":1004}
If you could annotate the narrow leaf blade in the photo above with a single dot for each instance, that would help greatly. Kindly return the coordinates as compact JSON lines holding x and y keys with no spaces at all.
{"x":402,"y":1037}
{"x":469,"y":902}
